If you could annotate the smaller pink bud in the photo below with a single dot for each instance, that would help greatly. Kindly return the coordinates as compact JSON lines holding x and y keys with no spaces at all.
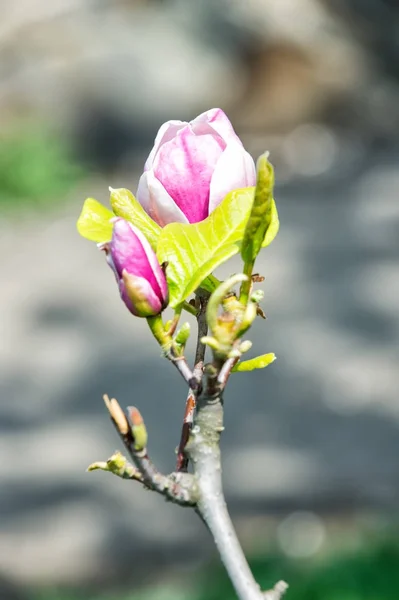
{"x":140,"y":278}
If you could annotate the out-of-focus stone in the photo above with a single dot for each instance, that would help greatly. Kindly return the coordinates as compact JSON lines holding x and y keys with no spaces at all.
{"x":304,"y":60}
{"x":134,"y":62}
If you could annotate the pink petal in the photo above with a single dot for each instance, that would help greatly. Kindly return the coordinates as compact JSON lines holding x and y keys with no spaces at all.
{"x":154,"y":275}
{"x":219,"y":122}
{"x":166,"y":132}
{"x":185,"y":167}
{"x":156,"y":201}
{"x":132,"y":252}
{"x":235,"y":169}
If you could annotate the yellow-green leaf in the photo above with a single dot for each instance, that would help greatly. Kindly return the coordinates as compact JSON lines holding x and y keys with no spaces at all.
{"x":260,"y":362}
{"x":194,"y":251}
{"x":125,"y":205}
{"x":94,"y":221}
{"x":261,"y":215}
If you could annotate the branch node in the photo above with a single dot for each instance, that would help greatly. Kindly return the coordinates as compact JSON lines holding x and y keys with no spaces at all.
{"x":119,"y":466}
{"x":277,"y":592}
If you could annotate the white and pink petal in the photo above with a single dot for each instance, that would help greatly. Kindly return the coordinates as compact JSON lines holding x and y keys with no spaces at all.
{"x":166,"y":132}
{"x":156,"y":201}
{"x":185,"y":167}
{"x":235,"y":169}
{"x":219,"y":122}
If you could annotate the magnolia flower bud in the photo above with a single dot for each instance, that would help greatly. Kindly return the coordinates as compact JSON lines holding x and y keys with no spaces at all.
{"x":141,"y":281}
{"x":192,"y":167}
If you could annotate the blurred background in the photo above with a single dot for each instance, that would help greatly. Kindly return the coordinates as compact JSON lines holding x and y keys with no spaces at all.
{"x":311,"y":447}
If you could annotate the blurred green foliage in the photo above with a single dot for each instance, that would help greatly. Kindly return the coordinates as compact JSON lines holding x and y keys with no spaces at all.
{"x":369,"y":574}
{"x":372,"y":574}
{"x":36,"y":167}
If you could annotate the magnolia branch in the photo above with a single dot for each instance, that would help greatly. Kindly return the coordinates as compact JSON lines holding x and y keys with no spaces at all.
{"x":182,"y":459}
{"x":119,"y":466}
{"x":203,"y":449}
{"x":144,"y":285}
{"x":181,"y":365}
{"x":203,"y":490}
{"x":177,"y":488}
{"x":226,"y":370}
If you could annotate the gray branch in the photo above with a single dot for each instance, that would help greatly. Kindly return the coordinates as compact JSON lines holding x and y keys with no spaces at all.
{"x":203,"y":490}
{"x":204,"y":451}
{"x":181,"y":365}
{"x":182,"y":458}
{"x":180,"y":489}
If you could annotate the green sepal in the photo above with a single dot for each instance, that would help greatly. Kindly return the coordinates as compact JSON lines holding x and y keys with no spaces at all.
{"x":262,"y":215}
{"x":139,"y":430}
{"x":140,"y":437}
{"x":260,"y":362}
{"x":273,"y":227}
{"x":183,"y":334}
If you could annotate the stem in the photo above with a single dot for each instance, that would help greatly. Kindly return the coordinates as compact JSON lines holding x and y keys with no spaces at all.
{"x":180,"y":490}
{"x":181,"y":365}
{"x":182,"y":459}
{"x":203,"y":449}
{"x":175,"y":321}
{"x":246,"y":285}
{"x":225,"y":371}
{"x":202,"y":332}
{"x":190,"y":308}
{"x":158,"y":331}
{"x":164,"y":339}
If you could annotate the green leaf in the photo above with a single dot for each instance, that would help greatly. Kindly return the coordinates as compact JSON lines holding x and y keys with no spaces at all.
{"x":261,"y":215}
{"x":260,"y":362}
{"x":194,"y":251}
{"x":125,"y":205}
{"x":94,"y":221}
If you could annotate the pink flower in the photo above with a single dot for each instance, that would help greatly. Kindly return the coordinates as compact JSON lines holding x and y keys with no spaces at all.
{"x":192,"y":167}
{"x":141,"y":281}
